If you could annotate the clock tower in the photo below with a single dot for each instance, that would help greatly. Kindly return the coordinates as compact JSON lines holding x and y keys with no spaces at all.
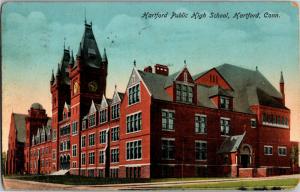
{"x":87,"y":82}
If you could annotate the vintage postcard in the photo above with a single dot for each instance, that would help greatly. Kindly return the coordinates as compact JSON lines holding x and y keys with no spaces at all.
{"x":150,"y":95}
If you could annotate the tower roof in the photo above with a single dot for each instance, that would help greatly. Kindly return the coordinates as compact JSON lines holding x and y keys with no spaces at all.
{"x":88,"y":50}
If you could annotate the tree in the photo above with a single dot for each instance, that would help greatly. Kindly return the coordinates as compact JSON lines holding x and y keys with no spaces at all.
{"x":294,"y":157}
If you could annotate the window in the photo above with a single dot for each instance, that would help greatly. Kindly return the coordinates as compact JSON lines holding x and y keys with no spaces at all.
{"x":83,"y":126}
{"x":133,"y":172}
{"x":74,"y":164}
{"x":115,"y":134}
{"x":134,"y":94}
{"x":114,"y":173}
{"x":53,"y":154}
{"x":92,"y":120}
{"x":74,"y":127}
{"x":282,"y":151}
{"x":115,"y":111}
{"x":225,"y":127}
{"x":103,"y":116}
{"x":268,"y":150}
{"x":134,"y":150}
{"x":253,"y":123}
{"x":92,"y":139}
{"x":168,"y":120}
{"x":184,"y":93}
{"x":74,"y":150}
{"x":102,"y":136}
{"x":100,"y":173}
{"x":92,"y":158}
{"x":101,"y":157}
{"x":82,"y":158}
{"x":114,"y":155}
{"x":201,"y":150}
{"x":200,"y":124}
{"x":53,"y":135}
{"x":274,"y":120}
{"x":64,"y":130}
{"x":224,"y":103}
{"x":134,"y":122}
{"x":83,"y":140}
{"x":168,"y":149}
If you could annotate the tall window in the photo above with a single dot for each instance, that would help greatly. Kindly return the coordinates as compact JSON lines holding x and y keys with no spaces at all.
{"x":83,"y":140}
{"x":114,"y":155}
{"x":168,"y":120}
{"x":201,"y":150}
{"x":92,"y":158}
{"x":115,"y":111}
{"x":168,"y":148}
{"x":200,"y":124}
{"x":74,"y":127}
{"x":115,"y":134}
{"x":224,"y":102}
{"x":134,"y":150}
{"x":101,"y":157}
{"x":83,"y":126}
{"x":268,"y":150}
{"x":103,"y":115}
{"x":134,"y":94}
{"x":92,"y":139}
{"x":225,"y":126}
{"x":74,"y":150}
{"x":102,"y":136}
{"x":92,"y":120}
{"x":82,"y":158}
{"x":184,"y":93}
{"x":134,"y":122}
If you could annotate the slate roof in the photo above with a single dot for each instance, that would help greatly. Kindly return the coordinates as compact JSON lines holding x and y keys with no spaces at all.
{"x":88,"y":46}
{"x":20,"y":125}
{"x":250,"y":87}
{"x":231,"y":144}
{"x":121,"y":95}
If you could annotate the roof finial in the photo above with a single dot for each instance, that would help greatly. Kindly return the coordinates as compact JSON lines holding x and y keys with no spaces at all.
{"x":64,"y":43}
{"x":115,"y":87}
{"x":134,"y":63}
{"x":184,"y":63}
{"x":281,"y":77}
{"x":84,"y":15}
{"x":256,"y":68}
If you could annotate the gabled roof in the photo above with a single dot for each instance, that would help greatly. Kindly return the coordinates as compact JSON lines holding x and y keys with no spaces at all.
{"x":20,"y":125}
{"x":231,"y":144}
{"x":171,"y":78}
{"x":93,"y":108}
{"x":67,"y":106}
{"x":104,"y":103}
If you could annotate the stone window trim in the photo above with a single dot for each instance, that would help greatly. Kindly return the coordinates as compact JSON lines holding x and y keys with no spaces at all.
{"x":89,"y":135}
{"x":132,"y":114}
{"x":253,"y":120}
{"x":201,"y":142}
{"x":285,"y":151}
{"x":138,"y":84}
{"x":226,"y":119}
{"x":168,"y":139}
{"x":201,"y":115}
{"x":269,"y":147}
{"x":132,"y":141}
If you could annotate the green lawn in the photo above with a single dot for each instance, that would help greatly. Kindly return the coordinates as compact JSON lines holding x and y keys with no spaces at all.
{"x":185,"y":179}
{"x":260,"y":184}
{"x":76,"y":180}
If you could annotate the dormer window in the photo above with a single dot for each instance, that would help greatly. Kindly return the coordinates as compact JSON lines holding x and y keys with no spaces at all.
{"x":115,"y":110}
{"x":92,"y":120}
{"x":103,"y":116}
{"x":224,"y":102}
{"x":184,"y":93}
{"x":134,"y":94}
{"x":83,"y":126}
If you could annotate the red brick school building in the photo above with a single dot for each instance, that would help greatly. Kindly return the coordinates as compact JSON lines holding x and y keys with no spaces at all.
{"x":226,"y":121}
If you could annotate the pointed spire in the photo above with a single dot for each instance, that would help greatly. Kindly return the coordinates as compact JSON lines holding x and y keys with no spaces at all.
{"x":104,"y":59}
{"x":64,"y":43}
{"x":281,"y":77}
{"x":52,"y":77}
{"x":58,"y":70}
{"x":184,"y":63}
{"x":84,"y":15}
{"x":72,"y":61}
{"x":134,"y":63}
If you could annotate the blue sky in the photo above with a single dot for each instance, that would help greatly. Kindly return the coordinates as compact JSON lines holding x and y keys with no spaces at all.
{"x":33,"y":37}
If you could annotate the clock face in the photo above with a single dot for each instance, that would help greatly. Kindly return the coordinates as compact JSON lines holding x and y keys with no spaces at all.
{"x":76,"y":88}
{"x":93,"y":86}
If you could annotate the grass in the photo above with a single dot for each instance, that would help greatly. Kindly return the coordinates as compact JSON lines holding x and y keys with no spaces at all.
{"x":186,"y":179}
{"x":76,"y":180}
{"x":242,"y":185}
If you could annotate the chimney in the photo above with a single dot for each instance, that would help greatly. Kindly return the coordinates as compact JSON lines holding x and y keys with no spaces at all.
{"x":161,"y":69}
{"x":148,"y":69}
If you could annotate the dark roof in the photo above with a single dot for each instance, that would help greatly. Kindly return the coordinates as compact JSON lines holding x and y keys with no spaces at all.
{"x":231,"y":144}
{"x":121,"y":95}
{"x":156,"y":84}
{"x":171,"y":78}
{"x":20,"y":125}
{"x":217,"y":90}
{"x":36,"y":106}
{"x":88,"y":49}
